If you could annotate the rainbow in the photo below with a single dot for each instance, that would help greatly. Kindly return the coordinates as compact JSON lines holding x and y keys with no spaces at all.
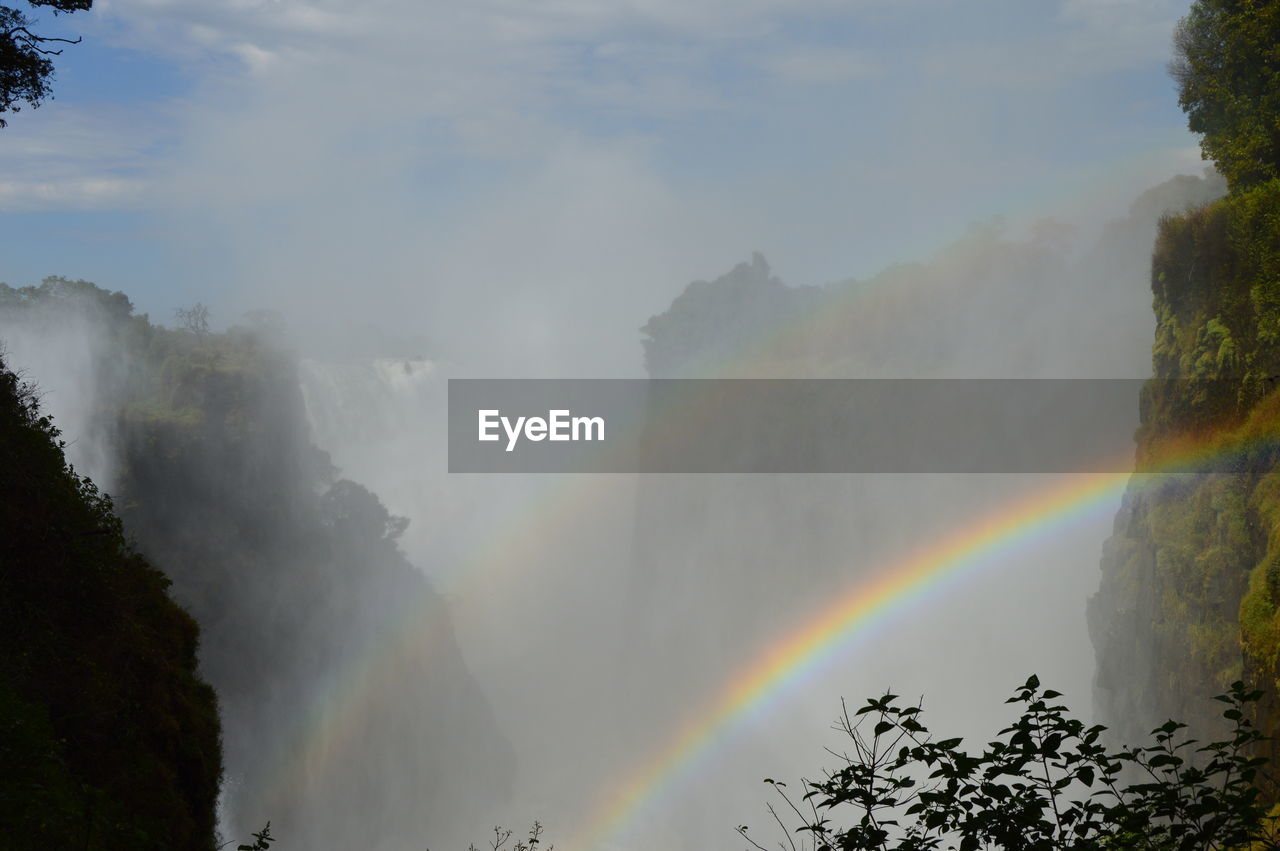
{"x":339,"y":712}
{"x":920,"y":577}
{"x":792,"y":661}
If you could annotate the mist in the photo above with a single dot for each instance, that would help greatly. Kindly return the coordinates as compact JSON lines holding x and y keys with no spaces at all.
{"x":418,"y":192}
{"x":625,"y":592}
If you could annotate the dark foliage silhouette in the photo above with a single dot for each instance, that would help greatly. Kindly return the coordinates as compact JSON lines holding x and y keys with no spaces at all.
{"x":26,"y":55}
{"x":108,"y":738}
{"x":1047,"y":782}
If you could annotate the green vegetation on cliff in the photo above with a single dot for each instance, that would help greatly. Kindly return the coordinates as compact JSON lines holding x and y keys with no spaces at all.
{"x":294,"y":574}
{"x":1190,"y":595}
{"x":108,"y":738}
{"x":1187,"y":567}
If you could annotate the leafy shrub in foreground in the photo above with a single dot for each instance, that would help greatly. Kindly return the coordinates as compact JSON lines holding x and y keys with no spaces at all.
{"x":1048,"y":782}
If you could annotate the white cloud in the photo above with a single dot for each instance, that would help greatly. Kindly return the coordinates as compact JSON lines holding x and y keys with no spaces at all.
{"x":78,"y":193}
{"x":326,"y":141}
{"x":87,"y":158}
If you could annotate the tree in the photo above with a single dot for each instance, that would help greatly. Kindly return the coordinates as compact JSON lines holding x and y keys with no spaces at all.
{"x":194,"y":319}
{"x":26,"y":64}
{"x":1047,"y":783}
{"x":1227,"y":66}
{"x":358,"y":515}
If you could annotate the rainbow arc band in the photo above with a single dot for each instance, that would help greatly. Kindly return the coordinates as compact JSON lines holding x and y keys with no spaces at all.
{"x":831,"y":633}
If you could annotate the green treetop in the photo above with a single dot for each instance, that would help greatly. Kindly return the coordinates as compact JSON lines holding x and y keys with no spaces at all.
{"x":1227,"y":65}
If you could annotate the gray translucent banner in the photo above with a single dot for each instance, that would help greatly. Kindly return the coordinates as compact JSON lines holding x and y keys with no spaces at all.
{"x":792,"y":425}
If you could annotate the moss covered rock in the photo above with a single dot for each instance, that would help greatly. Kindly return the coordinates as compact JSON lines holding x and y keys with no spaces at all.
{"x":1191,"y":577}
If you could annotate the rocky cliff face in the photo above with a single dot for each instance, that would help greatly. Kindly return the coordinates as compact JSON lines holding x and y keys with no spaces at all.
{"x":351,"y":718}
{"x":1191,"y":576}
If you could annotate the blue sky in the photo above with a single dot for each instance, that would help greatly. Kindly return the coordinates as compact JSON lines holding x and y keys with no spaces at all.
{"x":506,"y":167}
